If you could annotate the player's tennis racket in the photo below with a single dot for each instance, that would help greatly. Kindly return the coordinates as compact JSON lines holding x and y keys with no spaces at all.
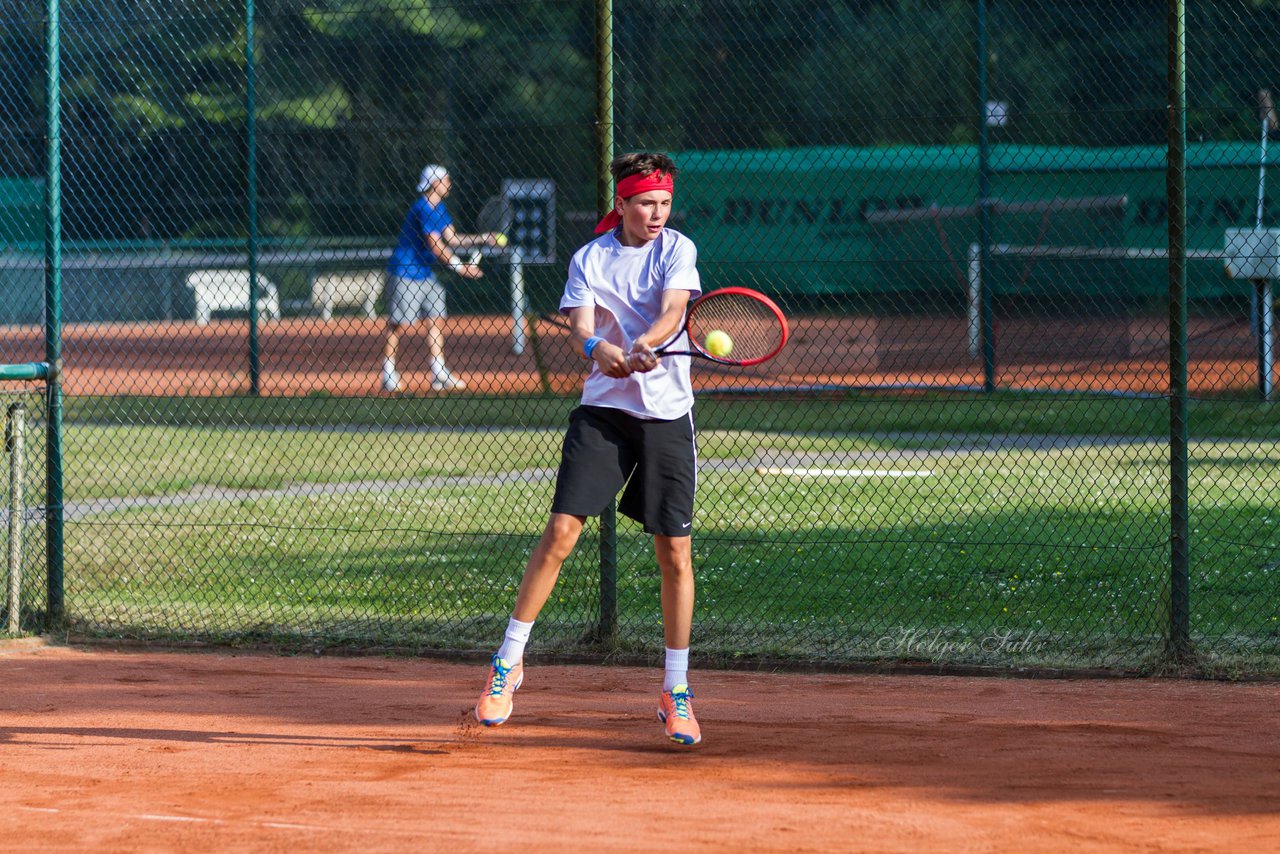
{"x":733,"y":326}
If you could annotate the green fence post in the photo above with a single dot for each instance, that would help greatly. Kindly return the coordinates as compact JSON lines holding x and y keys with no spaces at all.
{"x":985,"y":315}
{"x":53,"y":315}
{"x":608,"y":625}
{"x":251,"y":194}
{"x":1179,"y":647}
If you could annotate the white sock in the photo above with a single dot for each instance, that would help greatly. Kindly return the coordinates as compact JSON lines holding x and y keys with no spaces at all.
{"x":388,"y":366}
{"x":512,"y":649}
{"x":677,"y":668}
{"x":438,"y":369}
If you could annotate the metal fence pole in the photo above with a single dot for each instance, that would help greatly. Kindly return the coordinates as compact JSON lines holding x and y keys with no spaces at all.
{"x":53,"y":312}
{"x":608,"y":625}
{"x":251,"y":178}
{"x":985,"y":311}
{"x":13,"y":444}
{"x":1179,"y":645}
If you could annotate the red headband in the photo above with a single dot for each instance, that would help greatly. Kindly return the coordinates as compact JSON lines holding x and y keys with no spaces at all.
{"x":634,"y":185}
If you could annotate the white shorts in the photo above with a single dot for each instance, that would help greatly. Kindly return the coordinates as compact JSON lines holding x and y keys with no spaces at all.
{"x":411,"y":300}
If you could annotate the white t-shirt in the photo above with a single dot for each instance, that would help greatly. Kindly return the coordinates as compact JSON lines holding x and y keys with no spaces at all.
{"x":625,"y":285}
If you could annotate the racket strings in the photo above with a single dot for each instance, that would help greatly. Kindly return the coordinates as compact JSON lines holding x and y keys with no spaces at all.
{"x":752,"y":326}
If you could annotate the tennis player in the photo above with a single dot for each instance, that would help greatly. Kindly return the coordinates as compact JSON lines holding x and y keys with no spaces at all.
{"x":626,"y":294}
{"x":427,"y":236}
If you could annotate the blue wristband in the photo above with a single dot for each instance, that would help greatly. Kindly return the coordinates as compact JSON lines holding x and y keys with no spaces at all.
{"x":588,"y":347}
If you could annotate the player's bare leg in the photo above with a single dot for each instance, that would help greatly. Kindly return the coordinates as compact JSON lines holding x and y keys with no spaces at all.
{"x":543,"y":568}
{"x":675,"y":559}
{"x":675,"y":703}
{"x":506,"y":670}
{"x":390,"y":377}
{"x":441,"y":378}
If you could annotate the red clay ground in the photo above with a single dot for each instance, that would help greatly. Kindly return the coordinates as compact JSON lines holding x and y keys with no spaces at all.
{"x":301,"y":356}
{"x":160,"y":751}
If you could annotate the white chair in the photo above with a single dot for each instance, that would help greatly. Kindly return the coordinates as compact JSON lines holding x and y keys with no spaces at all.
{"x":228,"y":290}
{"x":330,"y":290}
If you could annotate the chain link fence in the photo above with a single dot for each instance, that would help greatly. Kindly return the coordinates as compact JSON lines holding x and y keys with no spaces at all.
{"x":963,"y":456}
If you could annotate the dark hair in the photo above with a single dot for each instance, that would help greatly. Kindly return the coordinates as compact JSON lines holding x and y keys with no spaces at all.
{"x":641,"y":163}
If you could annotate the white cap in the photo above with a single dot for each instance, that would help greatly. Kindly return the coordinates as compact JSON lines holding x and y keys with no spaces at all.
{"x":430,"y":174}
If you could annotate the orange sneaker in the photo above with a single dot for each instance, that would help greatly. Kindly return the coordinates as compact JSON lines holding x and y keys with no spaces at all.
{"x":675,"y":709}
{"x":498,"y":698}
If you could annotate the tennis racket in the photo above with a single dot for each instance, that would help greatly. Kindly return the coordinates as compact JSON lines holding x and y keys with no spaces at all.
{"x":733,"y":326}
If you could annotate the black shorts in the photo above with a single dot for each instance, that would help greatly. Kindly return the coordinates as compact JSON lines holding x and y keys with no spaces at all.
{"x":605,"y":449}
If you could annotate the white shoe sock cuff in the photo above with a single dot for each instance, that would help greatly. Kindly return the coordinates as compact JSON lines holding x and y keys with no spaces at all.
{"x":677,"y":659}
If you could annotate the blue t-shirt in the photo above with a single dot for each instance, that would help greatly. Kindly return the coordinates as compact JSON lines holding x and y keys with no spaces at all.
{"x":412,"y":258}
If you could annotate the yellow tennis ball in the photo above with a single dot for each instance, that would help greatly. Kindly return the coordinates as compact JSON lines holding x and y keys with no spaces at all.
{"x":718,"y":343}
{"x":500,"y":239}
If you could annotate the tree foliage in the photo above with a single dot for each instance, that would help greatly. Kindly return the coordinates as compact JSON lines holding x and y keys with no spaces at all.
{"x":353,"y":96}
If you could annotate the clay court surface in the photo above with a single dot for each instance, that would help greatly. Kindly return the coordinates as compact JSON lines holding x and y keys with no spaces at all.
{"x":303,"y":356}
{"x":106,"y":750}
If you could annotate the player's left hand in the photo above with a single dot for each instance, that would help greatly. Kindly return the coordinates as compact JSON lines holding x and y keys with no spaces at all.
{"x":642,"y":359}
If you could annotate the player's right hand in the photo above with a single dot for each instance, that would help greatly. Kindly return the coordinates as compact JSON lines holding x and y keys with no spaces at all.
{"x":470,"y":271}
{"x":612,"y":361}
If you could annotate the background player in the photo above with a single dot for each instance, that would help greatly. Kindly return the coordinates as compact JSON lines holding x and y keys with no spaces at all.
{"x":414,"y":293}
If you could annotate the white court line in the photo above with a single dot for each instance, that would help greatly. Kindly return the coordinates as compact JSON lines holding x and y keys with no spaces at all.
{"x":805,"y":472}
{"x":275,"y":825}
{"x":289,"y":826}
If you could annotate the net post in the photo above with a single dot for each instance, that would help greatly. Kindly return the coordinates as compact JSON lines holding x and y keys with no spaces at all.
{"x":973,"y":300}
{"x":1263,"y":311}
{"x":519,"y":303}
